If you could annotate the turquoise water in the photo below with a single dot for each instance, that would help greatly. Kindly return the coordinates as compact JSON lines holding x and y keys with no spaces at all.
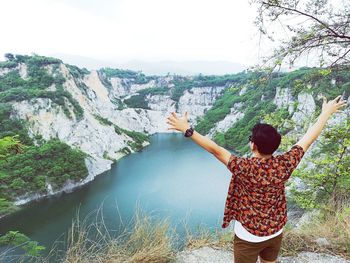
{"x":171,"y":178}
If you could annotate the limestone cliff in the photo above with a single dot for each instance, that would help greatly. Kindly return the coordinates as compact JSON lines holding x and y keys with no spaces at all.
{"x":100,"y":109}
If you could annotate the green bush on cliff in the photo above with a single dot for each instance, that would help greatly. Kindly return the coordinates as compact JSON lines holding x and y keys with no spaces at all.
{"x":15,"y":88}
{"x":28,"y":172}
{"x":327,"y":181}
{"x":6,"y":207}
{"x":257,"y":102}
{"x":138,"y":137}
{"x":139,"y":100}
{"x":76,"y":71}
{"x":15,"y":238}
{"x":12,"y":126}
{"x":135,"y":77}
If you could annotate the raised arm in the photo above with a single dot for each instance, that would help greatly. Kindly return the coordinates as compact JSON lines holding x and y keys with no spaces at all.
{"x":181,"y":124}
{"x":328,"y":108}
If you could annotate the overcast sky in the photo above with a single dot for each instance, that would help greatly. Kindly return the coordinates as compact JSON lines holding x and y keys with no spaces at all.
{"x":148,"y":30}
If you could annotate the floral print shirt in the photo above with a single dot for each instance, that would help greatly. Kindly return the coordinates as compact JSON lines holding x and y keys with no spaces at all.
{"x":256,"y":193}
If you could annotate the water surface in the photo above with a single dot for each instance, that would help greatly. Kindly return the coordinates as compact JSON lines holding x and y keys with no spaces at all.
{"x":172,"y":177}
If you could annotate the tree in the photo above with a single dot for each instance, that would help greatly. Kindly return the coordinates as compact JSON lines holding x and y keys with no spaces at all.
{"x":10,"y":145}
{"x":15,"y":238}
{"x":315,"y":27}
{"x":328,"y":179}
{"x":9,"y":56}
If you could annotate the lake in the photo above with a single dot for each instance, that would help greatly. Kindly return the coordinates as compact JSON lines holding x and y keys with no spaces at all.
{"x":172,"y":177}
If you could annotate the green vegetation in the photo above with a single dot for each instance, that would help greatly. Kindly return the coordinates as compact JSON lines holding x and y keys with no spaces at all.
{"x":15,"y":88}
{"x":12,"y":126}
{"x":327,"y":23}
{"x":7,"y":207}
{"x":254,"y":108}
{"x":24,"y":164}
{"x":29,"y":171}
{"x":280,"y":119}
{"x":147,"y":238}
{"x":36,"y":60}
{"x":137,"y":137}
{"x":103,"y":121}
{"x":27,"y":168}
{"x":219,"y":110}
{"x":186,"y":83}
{"x":8,"y":64}
{"x":139,"y":101}
{"x":328,"y":181}
{"x":135,"y":77}
{"x":14,"y":238}
{"x":76,"y":71}
{"x":258,"y":103}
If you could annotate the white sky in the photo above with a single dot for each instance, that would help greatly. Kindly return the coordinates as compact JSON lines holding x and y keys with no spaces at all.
{"x":132,"y":29}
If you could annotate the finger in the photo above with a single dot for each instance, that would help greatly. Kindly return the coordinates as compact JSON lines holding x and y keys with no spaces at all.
{"x":171,"y":128}
{"x":186,"y":114}
{"x":342,"y":102}
{"x":337,"y":98}
{"x":171,"y":118}
{"x":174,"y":114}
{"x":170,"y":122}
{"x":341,"y":105}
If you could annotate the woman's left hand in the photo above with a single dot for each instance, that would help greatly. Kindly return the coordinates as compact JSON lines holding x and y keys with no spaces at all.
{"x":179,"y":124}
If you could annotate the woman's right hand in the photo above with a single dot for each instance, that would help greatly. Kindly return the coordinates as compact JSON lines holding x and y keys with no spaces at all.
{"x":333,"y":106}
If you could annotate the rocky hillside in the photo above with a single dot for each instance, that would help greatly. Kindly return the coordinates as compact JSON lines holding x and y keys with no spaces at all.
{"x":109,"y":113}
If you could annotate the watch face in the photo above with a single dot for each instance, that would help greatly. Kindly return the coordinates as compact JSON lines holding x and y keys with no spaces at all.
{"x":189,"y":132}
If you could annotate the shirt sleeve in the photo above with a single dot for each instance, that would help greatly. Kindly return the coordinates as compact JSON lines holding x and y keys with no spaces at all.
{"x":292,"y":158}
{"x":235,"y":163}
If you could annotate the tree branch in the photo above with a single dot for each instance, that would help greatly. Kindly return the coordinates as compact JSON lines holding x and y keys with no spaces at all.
{"x":340,"y":57}
{"x":335,"y":34}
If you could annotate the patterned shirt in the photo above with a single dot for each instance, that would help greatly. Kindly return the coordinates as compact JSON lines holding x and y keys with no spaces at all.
{"x":256,"y":193}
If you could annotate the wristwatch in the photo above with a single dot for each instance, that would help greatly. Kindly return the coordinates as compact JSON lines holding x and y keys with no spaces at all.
{"x":189,"y":132}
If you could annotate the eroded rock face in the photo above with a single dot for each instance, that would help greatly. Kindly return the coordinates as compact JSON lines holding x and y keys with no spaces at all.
{"x":162,"y":103}
{"x":197,"y":101}
{"x":94,"y":133}
{"x":305,"y":109}
{"x":236,"y":113}
{"x":284,"y":98}
{"x":91,"y":135}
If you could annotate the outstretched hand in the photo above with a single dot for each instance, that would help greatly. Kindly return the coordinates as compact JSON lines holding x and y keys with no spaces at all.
{"x":179,"y":124}
{"x":333,"y":106}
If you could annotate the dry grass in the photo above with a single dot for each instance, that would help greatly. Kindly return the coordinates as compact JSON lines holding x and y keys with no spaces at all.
{"x":204,"y":237}
{"x":147,"y":240}
{"x":153,"y":240}
{"x":332,"y":225}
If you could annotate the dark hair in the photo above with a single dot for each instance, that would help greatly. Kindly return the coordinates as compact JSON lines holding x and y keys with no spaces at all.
{"x":266,"y":138}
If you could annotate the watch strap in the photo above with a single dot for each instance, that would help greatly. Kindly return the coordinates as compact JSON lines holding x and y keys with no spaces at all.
{"x":189,"y":132}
